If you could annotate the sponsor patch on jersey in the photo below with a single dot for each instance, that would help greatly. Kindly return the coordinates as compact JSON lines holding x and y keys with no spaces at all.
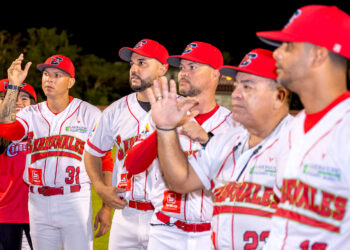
{"x":79,"y":129}
{"x":125,"y":181}
{"x":145,"y":131}
{"x":171,"y":202}
{"x":323,"y":172}
{"x":34,"y":176}
{"x":263,"y":170}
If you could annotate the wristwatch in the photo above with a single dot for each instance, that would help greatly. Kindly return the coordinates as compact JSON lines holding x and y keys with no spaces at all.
{"x":210,"y":135}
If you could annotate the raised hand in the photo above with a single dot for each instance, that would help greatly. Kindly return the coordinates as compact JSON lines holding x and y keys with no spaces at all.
{"x":166,"y":113}
{"x":16,"y":74}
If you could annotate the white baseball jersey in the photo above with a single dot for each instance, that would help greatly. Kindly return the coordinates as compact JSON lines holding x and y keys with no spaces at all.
{"x":241,"y":180}
{"x":120,"y":126}
{"x":313,"y":212}
{"x":56,"y":153}
{"x":195,"y":207}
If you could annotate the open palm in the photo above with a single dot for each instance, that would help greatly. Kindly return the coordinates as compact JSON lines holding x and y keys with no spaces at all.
{"x":166,"y":112}
{"x":16,"y":74}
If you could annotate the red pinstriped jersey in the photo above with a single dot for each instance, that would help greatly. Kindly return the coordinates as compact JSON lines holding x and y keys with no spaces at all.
{"x":241,"y":180}
{"x":196,"y":206}
{"x":313,"y":212}
{"x":120,"y":126}
{"x":56,"y":152}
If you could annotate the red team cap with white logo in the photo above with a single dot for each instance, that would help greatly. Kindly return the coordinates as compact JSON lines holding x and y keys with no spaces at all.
{"x":148,"y":48}
{"x":60,"y":62}
{"x":258,"y":62}
{"x":325,"y":26}
{"x":200,"y":52}
{"x":25,"y":87}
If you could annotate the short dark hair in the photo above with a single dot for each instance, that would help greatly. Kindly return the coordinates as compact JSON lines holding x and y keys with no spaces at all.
{"x":338,"y":59}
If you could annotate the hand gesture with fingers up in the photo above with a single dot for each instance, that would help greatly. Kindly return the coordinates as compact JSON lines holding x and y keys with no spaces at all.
{"x":16,"y":74}
{"x":167,"y":114}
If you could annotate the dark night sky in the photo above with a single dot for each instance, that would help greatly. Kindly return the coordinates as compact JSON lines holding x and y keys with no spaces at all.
{"x":102,"y":28}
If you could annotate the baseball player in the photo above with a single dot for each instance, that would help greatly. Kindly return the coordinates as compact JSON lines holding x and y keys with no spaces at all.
{"x":14,"y":218}
{"x":183,"y":221}
{"x":59,"y":187}
{"x":312,"y":60}
{"x":237,"y":167}
{"x":120,"y":126}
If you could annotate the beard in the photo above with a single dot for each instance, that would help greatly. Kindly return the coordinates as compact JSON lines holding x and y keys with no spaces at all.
{"x":191,"y":91}
{"x":144,"y":84}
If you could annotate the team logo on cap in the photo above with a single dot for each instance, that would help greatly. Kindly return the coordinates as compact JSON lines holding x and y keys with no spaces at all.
{"x":295,"y":15}
{"x":55,"y":60}
{"x":248,"y":59}
{"x":140,"y":44}
{"x":189,"y":48}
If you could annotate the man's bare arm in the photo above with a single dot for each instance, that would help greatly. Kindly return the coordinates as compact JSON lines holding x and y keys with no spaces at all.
{"x":108,"y":194}
{"x":166,"y":114}
{"x":16,"y":76}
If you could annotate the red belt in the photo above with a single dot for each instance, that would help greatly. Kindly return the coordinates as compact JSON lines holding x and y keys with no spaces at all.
{"x":139,"y":205}
{"x":49,"y":191}
{"x":200,"y":227}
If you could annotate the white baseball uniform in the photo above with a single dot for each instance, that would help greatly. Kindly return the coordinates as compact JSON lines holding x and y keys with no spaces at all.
{"x":313,"y":212}
{"x":193,"y":210}
{"x":120,"y":126}
{"x":55,"y":165}
{"x":241,"y":180}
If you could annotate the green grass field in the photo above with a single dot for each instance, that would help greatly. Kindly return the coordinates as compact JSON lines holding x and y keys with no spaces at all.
{"x":102,"y":242}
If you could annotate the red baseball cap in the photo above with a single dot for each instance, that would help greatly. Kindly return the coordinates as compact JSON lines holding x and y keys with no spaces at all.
{"x":25,"y":87}
{"x":258,"y":62}
{"x":199,"y":52}
{"x":325,"y":26}
{"x":148,"y":48}
{"x":60,"y":62}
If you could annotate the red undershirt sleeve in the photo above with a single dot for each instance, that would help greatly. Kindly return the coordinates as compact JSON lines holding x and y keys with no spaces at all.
{"x":12,"y":131}
{"x":141,"y":155}
{"x":107,"y":161}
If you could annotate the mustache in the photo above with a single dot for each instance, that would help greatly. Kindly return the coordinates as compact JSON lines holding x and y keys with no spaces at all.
{"x":185,"y":79}
{"x":133,"y":74}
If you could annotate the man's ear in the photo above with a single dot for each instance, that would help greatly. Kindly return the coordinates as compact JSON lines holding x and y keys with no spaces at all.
{"x":282,"y":96}
{"x":163,"y":69}
{"x":319,"y":55}
{"x":71,"y":82}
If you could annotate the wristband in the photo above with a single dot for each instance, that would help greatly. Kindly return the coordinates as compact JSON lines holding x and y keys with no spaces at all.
{"x":10,"y":86}
{"x":165,"y":129}
{"x":210,"y":135}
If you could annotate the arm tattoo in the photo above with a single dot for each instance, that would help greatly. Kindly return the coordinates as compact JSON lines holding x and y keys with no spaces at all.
{"x":8,"y":107}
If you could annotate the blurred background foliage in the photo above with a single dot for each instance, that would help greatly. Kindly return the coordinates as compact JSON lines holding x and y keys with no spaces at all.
{"x":98,"y":81}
